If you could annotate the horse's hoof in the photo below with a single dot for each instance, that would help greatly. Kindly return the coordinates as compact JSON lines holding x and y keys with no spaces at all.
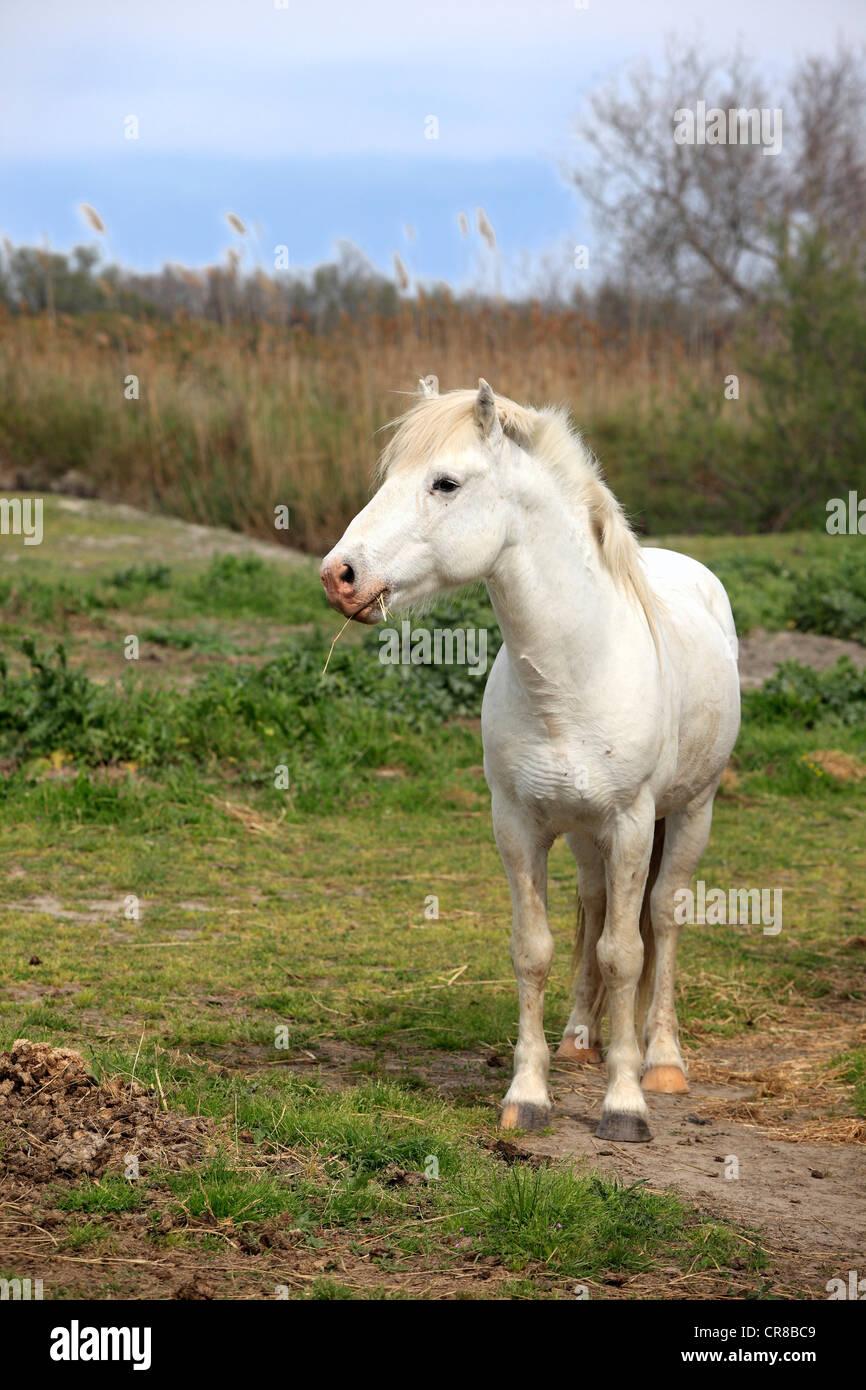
{"x":569,"y":1052}
{"x":623,"y":1128}
{"x":666,"y":1081}
{"x":524,"y":1115}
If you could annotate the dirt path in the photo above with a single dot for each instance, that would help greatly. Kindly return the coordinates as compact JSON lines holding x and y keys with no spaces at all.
{"x":755,"y":1141}
{"x":135,"y":529}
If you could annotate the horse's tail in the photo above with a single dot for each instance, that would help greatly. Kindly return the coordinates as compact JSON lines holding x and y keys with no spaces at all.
{"x":647,"y":974}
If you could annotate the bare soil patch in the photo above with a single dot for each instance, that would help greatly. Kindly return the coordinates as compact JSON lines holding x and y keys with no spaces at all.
{"x":762,"y":652}
{"x":759,"y":1140}
{"x":845,"y":767}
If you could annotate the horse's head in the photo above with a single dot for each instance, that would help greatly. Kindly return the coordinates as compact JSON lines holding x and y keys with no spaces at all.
{"x":439,"y":518}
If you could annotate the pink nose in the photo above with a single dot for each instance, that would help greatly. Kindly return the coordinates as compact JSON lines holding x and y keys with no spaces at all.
{"x":338,"y":577}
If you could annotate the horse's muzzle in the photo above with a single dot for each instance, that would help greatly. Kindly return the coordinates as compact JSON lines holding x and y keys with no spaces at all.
{"x":344,"y":593}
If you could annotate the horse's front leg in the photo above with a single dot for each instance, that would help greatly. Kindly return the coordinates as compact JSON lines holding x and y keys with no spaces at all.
{"x":624,"y":1113}
{"x":524,"y":852}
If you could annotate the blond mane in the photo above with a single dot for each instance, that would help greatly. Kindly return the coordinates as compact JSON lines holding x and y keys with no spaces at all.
{"x":439,"y":424}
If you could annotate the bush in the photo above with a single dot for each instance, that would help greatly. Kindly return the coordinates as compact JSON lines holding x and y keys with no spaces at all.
{"x":806,"y":350}
{"x":799,"y":695}
{"x":832,"y":599}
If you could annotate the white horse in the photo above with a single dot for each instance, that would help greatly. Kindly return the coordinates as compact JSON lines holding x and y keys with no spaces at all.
{"x":609,"y":714}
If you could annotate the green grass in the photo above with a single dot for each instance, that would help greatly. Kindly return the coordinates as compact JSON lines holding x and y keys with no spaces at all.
{"x":232,"y":586}
{"x":83,"y":1235}
{"x":570,"y":1222}
{"x":587,"y":1223}
{"x":221,"y":1191}
{"x":108,"y":1196}
{"x":852,"y":1066}
{"x":263,"y":916}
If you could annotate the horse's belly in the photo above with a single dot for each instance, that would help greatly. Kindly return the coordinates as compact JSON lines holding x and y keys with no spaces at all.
{"x":705,"y":738}
{"x":573,"y":769}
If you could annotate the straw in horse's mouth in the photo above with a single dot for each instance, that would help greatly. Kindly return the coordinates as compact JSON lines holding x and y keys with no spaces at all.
{"x":378,"y":598}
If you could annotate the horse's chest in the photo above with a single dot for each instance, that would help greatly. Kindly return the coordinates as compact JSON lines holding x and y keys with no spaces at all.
{"x":566,"y":764}
{"x":563,"y":781}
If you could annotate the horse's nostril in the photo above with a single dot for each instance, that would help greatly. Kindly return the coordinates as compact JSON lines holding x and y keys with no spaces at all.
{"x":347,"y":574}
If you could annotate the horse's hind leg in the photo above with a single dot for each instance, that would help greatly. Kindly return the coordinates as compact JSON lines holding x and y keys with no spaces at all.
{"x":686,"y":835}
{"x":581,"y":1041}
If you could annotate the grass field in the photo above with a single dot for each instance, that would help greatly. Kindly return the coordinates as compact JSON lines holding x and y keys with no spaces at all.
{"x":263,"y":955}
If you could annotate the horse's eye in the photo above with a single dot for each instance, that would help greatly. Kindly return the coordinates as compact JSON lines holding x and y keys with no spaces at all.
{"x":445,"y":485}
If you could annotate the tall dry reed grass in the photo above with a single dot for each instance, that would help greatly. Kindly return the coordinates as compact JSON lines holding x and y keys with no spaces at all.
{"x":232,"y":421}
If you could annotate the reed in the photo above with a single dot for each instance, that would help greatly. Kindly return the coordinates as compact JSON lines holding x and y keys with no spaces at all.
{"x":233,"y":419}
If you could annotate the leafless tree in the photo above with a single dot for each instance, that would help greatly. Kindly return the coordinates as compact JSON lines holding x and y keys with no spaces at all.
{"x":708,"y":221}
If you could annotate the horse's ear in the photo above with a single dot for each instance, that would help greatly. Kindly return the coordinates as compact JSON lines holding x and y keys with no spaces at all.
{"x":429,"y":386}
{"x":485,"y":413}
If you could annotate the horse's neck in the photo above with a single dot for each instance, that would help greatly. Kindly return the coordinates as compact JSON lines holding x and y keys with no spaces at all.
{"x":557,"y":607}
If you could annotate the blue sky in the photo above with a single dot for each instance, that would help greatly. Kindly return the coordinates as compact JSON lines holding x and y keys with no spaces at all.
{"x":309,"y":121}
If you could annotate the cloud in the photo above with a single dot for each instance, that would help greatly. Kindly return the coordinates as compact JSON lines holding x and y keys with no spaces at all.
{"x":242,"y":77}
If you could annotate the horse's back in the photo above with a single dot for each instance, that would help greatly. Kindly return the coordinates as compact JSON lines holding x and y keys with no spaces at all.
{"x":674,"y":576}
{"x":701,"y":651}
